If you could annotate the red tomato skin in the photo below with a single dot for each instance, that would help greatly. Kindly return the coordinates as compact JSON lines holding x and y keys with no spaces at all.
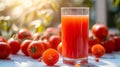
{"x":59,"y":47}
{"x":98,"y":50}
{"x":109,"y":45}
{"x":14,"y":45}
{"x":24,"y":34}
{"x":50,"y":57}
{"x":4,"y":50}
{"x":35,"y":49}
{"x":24,"y":45}
{"x":36,"y":36}
{"x":46,"y":44}
{"x":92,"y":41}
{"x":117,"y":43}
{"x":54,"y":41}
{"x":100,"y":31}
{"x":2,"y":39}
{"x":50,"y":30}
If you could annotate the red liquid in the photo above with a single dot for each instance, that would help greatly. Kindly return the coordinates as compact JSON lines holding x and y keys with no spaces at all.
{"x":75,"y":36}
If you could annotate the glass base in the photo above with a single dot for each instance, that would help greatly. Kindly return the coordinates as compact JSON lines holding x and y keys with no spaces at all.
{"x":83,"y":61}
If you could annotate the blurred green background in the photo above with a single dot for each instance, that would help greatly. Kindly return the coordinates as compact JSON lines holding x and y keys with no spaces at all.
{"x":37,"y":15}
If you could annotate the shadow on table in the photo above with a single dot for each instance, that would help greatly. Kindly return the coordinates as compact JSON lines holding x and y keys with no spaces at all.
{"x":24,"y":61}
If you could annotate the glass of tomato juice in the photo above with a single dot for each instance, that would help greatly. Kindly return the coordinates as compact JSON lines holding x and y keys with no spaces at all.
{"x":75,"y":30}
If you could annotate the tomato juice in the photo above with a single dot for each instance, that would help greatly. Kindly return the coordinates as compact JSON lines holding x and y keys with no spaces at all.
{"x":75,"y":36}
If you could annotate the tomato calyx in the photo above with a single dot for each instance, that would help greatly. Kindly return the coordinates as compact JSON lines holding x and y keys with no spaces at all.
{"x":91,"y":38}
{"x":34,"y":49}
{"x":25,"y":35}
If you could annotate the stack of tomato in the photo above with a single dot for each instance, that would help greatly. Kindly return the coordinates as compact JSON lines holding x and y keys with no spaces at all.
{"x":102,"y":41}
{"x":37,"y":46}
{"x":46,"y":45}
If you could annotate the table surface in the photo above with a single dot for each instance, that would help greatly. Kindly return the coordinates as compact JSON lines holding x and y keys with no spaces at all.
{"x":19,"y":60}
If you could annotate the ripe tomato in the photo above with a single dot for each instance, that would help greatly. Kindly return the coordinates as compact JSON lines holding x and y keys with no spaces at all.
{"x":35,"y":49}
{"x":36,"y":36}
{"x":46,"y":35}
{"x":59,"y":26}
{"x":50,"y":57}
{"x":39,"y":60}
{"x":100,"y":31}
{"x":96,"y":59}
{"x":98,"y":50}
{"x":14,"y":45}
{"x":92,"y":41}
{"x":117,"y":43}
{"x":59,"y":47}
{"x":109,"y":45}
{"x":24,"y":34}
{"x":50,"y":30}
{"x":4,"y":50}
{"x":54,"y":41}
{"x":24,"y":45}
{"x":59,"y":29}
{"x":46,"y":44}
{"x":2,"y":39}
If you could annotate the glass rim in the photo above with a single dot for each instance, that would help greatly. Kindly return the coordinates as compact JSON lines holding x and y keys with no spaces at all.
{"x":87,"y":8}
{"x":84,"y":11}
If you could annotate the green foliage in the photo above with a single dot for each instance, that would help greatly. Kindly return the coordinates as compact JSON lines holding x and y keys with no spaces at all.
{"x":88,"y":3}
{"x":25,"y":13}
{"x":5,"y":24}
{"x":78,"y":3}
{"x":116,"y":3}
{"x":117,"y":21}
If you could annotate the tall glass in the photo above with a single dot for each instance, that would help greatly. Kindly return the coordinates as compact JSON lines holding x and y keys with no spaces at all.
{"x":75,"y":26}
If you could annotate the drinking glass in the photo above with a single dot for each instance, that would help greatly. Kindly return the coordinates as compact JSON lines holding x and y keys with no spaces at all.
{"x":75,"y":31}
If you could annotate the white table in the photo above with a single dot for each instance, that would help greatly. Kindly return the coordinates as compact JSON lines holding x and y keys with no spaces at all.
{"x":108,"y":60}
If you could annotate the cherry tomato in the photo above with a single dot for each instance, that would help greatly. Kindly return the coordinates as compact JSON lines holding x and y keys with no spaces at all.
{"x":4,"y":50}
{"x":100,"y":31}
{"x":46,"y":44}
{"x":50,"y":29}
{"x":59,"y":29}
{"x":49,"y":32}
{"x":117,"y":43}
{"x":24,"y":34}
{"x":59,"y":47}
{"x":2,"y":39}
{"x":54,"y":41}
{"x":60,"y":26}
{"x":97,"y":59}
{"x":46,"y":35}
{"x":36,"y":36}
{"x":24,"y":46}
{"x":109,"y":45}
{"x":98,"y":50}
{"x":92,"y":41}
{"x":35,"y":49}
{"x":50,"y":57}
{"x":14,"y":45}
{"x":39,"y":60}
